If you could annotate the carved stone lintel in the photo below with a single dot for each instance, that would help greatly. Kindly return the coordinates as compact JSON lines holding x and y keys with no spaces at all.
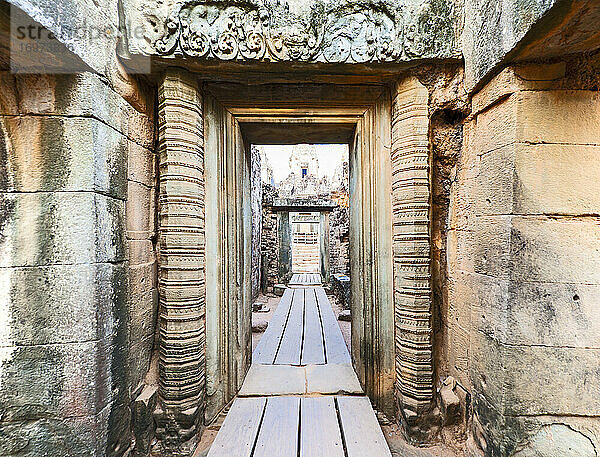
{"x":346,"y":31}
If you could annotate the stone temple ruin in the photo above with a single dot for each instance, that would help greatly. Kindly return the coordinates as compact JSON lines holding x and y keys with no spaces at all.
{"x":308,"y":242}
{"x":129,"y":256}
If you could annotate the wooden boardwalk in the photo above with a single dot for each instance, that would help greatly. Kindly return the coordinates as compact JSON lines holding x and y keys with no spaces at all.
{"x":305,"y":279}
{"x":300,"y":426}
{"x":301,"y":397}
{"x":302,"y":331}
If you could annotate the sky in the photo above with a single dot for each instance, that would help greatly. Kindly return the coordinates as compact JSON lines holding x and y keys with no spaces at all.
{"x":330,"y":155}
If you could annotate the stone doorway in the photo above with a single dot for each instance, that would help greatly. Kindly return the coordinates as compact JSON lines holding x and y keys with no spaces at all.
{"x":205,"y":268}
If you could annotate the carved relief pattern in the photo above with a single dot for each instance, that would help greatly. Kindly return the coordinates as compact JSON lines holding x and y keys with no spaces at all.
{"x":181,"y":247}
{"x":410,"y":203}
{"x":348,"y":32}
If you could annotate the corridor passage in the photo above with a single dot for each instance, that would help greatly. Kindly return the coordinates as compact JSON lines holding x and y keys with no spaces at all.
{"x":301,"y":397}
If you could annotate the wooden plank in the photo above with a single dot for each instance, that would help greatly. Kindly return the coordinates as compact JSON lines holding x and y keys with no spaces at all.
{"x":336,"y":350}
{"x":361,"y":430}
{"x":278,"y":436}
{"x":313,"y":350}
{"x":240,"y":429}
{"x":291,"y":342}
{"x":319,"y":429}
{"x":266,"y":349}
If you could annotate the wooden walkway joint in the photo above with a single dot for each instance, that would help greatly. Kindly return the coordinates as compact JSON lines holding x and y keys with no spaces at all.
{"x":301,"y":397}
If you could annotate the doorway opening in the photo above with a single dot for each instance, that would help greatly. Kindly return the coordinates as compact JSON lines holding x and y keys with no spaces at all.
{"x":300,"y":228}
{"x":306,"y":255}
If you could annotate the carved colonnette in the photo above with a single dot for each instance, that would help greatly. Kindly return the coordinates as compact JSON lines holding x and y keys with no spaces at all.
{"x":412,"y":279}
{"x":181,"y":255}
{"x":316,"y":31}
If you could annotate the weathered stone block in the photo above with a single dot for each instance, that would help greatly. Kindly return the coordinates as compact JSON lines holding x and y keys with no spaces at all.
{"x":552,"y":314}
{"x":141,"y":252}
{"x":64,"y":437}
{"x":515,"y":79}
{"x":560,"y":381}
{"x":141,"y":164}
{"x":539,"y":117}
{"x":65,"y":380}
{"x":83,"y":95}
{"x":558,"y":440}
{"x":143,"y":316}
{"x":459,"y":353}
{"x":527,"y":436}
{"x":142,"y":280}
{"x":450,"y":403}
{"x":143,"y":421}
{"x":561,"y":250}
{"x":535,"y":380}
{"x":60,"y":303}
{"x":57,"y":154}
{"x":558,"y":116}
{"x":141,"y":211}
{"x":496,"y":127}
{"x":492,"y":31}
{"x":538,"y":179}
{"x":556,"y":179}
{"x":491,"y":247}
{"x":534,"y":313}
{"x":138,"y":361}
{"x":53,"y":228}
{"x":494,"y":187}
{"x":461,"y":294}
{"x":487,"y":370}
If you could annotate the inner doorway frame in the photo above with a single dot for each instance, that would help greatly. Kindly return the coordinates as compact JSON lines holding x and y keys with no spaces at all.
{"x":361,"y":117}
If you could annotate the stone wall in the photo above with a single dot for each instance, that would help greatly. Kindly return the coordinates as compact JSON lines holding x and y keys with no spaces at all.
{"x":257,"y":216}
{"x":269,"y":245}
{"x":76,"y":227}
{"x":141,"y":238}
{"x":522,"y":256}
{"x":339,"y":241}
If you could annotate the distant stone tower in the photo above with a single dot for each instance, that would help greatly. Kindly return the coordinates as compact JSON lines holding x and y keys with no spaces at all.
{"x":304,"y":161}
{"x":303,"y":180}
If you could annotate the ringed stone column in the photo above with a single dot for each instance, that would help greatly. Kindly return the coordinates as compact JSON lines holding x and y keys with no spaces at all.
{"x":181,"y":255}
{"x":411,"y":226}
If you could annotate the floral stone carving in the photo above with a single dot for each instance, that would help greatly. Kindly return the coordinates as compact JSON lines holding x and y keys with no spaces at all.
{"x":342,"y":32}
